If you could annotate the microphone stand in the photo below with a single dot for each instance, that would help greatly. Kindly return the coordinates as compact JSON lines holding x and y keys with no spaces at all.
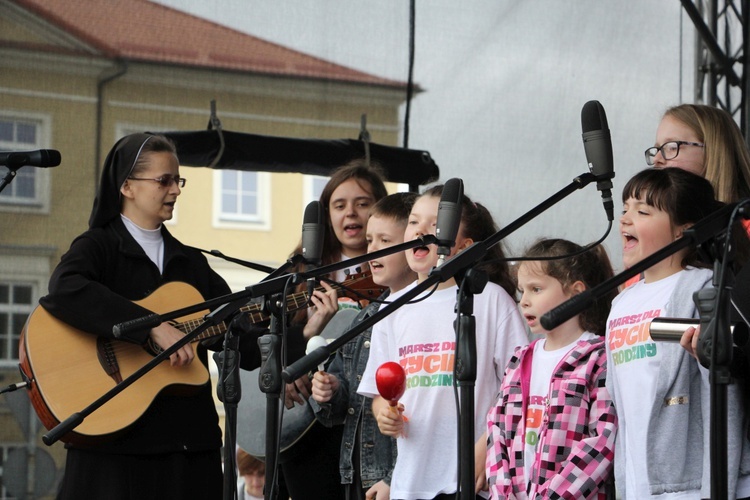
{"x":714,"y":350}
{"x":229,"y":392}
{"x":269,"y":376}
{"x":466,"y":340}
{"x":244,"y":263}
{"x":274,"y":284}
{"x":466,"y":355}
{"x":12,"y":171}
{"x":229,"y":387}
{"x":715,"y":342}
{"x":472,"y":283}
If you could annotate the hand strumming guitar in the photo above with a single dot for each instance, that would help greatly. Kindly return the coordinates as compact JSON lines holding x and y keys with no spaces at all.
{"x":165,"y":335}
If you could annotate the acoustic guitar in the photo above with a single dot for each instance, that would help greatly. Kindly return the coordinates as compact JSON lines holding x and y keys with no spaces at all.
{"x":67,"y":369}
{"x":295,"y":422}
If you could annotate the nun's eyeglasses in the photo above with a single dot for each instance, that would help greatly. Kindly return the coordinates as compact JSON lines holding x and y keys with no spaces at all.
{"x":164,"y":181}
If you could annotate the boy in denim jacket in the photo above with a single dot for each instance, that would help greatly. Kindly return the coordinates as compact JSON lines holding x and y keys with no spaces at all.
{"x":367,"y":456}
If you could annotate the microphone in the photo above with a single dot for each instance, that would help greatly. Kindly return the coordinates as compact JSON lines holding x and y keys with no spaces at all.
{"x":597,"y":142}
{"x":313,"y":231}
{"x":41,"y":158}
{"x":448,"y":217}
{"x":143,"y":323}
{"x":571,"y":307}
{"x":671,"y":329}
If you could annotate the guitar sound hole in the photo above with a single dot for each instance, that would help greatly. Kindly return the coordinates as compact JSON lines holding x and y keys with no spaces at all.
{"x":153,"y":348}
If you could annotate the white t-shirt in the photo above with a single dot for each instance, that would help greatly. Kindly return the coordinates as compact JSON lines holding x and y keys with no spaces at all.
{"x":421,"y":338}
{"x":636,"y":360}
{"x":543,"y":365}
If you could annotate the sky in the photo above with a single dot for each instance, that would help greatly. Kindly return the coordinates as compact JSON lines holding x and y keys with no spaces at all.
{"x":504,"y":84}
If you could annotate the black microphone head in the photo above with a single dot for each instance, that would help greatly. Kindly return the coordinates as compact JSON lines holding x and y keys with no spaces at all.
{"x":40,"y":158}
{"x":50,"y":158}
{"x":313,"y":213}
{"x":313,"y":231}
{"x":453,"y":190}
{"x":449,"y":214}
{"x":597,"y":141}
{"x":593,"y":117}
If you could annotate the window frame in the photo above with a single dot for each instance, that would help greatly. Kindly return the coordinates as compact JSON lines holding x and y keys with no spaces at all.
{"x":40,"y":204}
{"x":308,"y":187}
{"x":260,"y":221}
{"x":25,"y":266}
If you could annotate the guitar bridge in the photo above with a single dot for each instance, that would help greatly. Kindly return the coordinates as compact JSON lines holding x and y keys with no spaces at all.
{"x":108,"y":359}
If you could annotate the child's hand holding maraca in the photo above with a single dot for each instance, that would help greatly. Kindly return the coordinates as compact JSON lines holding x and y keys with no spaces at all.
{"x":324,"y":386}
{"x":391,"y":382}
{"x":391,"y":420}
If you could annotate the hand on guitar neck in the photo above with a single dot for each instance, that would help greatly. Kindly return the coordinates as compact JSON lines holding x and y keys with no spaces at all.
{"x":325,"y":303}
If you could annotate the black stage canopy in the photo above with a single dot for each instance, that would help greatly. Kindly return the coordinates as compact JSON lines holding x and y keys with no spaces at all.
{"x":254,"y":152}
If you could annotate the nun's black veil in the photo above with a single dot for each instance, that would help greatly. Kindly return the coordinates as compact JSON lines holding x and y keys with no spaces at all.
{"x":117,"y":168}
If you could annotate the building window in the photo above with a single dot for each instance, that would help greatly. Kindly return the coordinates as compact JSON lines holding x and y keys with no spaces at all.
{"x":29,"y":186}
{"x":239,"y":195}
{"x":16,"y":303}
{"x":241,"y":199}
{"x":313,"y":187}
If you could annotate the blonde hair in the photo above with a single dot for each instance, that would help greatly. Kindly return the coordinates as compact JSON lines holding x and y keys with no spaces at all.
{"x":727,"y":159}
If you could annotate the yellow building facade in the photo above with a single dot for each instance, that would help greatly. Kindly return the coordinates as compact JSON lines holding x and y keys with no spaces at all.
{"x":59,"y":90}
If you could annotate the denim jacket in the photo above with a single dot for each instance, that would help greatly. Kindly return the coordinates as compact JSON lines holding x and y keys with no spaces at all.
{"x":378,"y":452}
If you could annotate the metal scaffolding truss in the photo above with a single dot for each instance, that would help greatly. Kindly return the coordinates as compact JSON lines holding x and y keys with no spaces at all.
{"x":721,"y":60}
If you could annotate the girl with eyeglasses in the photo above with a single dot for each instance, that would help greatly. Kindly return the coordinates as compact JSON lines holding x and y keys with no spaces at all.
{"x":706,"y":141}
{"x":126,"y":255}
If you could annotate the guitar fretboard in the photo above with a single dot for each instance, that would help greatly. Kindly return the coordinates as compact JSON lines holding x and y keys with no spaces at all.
{"x":255,"y":313}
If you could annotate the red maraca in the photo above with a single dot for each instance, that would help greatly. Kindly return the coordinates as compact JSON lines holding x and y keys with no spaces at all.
{"x":391,"y":381}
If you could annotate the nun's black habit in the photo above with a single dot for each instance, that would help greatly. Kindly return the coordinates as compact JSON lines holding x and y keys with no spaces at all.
{"x":173,"y":449}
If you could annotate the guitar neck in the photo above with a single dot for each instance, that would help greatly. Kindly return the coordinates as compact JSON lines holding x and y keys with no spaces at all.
{"x":254,"y":313}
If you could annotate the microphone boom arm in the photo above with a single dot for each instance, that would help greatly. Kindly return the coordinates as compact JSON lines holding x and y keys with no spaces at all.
{"x":442,"y":273}
{"x":702,"y":231}
{"x":579,"y":182}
